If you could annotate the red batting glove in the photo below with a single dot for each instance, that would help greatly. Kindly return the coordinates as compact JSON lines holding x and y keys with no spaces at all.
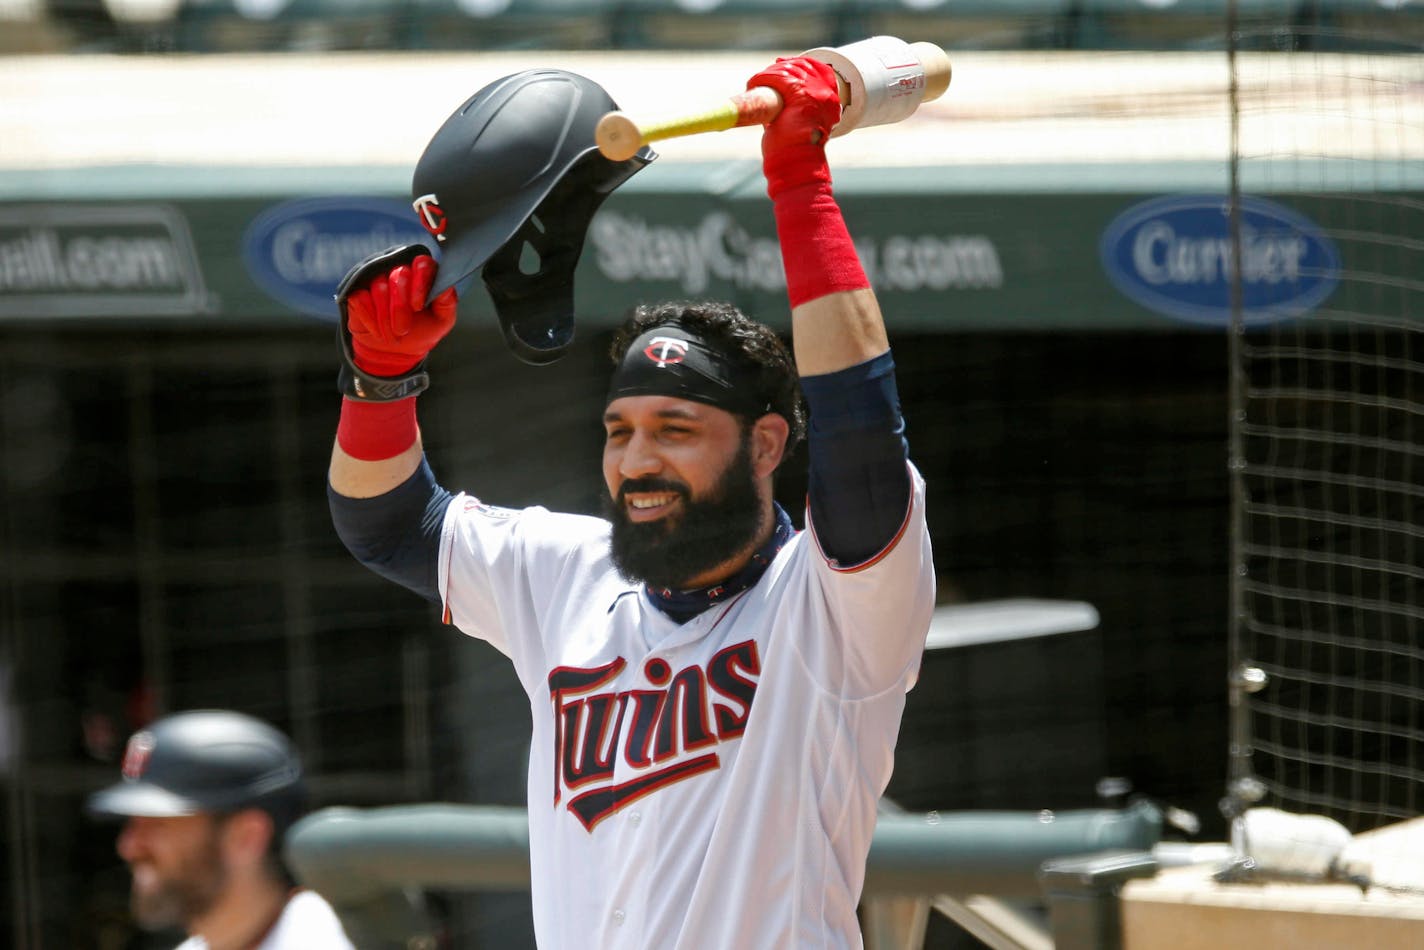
{"x":793,"y":146}
{"x":817,"y":253}
{"x":391,"y":328}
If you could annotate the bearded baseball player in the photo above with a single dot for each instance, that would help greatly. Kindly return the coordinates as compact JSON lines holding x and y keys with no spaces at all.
{"x":715,"y":695}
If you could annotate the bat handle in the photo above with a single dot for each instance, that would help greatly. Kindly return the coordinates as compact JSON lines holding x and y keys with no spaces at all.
{"x":619,"y":136}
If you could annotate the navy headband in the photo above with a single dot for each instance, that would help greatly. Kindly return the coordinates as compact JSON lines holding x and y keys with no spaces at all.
{"x":671,"y":360}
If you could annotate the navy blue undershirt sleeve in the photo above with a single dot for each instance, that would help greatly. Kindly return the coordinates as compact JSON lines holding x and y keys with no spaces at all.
{"x":859,"y":487}
{"x":397,"y":534}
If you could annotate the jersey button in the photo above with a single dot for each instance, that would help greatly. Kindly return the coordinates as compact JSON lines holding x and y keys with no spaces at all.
{"x":618,"y":917}
{"x":635,"y":817}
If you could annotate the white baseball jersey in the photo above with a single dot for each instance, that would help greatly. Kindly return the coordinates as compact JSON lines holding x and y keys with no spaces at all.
{"x":307,"y":923}
{"x":710,"y":785}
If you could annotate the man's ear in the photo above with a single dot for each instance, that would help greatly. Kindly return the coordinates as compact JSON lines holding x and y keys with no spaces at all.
{"x":769,"y":435}
{"x":247,"y":834}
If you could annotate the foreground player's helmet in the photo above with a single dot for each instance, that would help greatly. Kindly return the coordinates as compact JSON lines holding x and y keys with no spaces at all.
{"x":206,"y":761}
{"x":515,"y":171}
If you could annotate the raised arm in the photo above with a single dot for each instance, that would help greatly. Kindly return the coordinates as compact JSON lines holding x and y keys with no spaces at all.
{"x":859,"y":486}
{"x":385,"y":503}
{"x":836,"y":320}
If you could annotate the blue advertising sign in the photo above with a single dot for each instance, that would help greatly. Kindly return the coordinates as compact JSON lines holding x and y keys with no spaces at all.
{"x":299,"y":250}
{"x":1174,"y":255}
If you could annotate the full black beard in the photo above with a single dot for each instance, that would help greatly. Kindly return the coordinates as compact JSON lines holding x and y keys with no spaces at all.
{"x":709,"y":531}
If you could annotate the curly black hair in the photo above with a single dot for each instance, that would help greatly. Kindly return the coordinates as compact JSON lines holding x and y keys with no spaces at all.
{"x":754,"y":345}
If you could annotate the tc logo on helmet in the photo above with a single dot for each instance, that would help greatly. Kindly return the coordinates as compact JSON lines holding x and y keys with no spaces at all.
{"x":665,"y":350}
{"x":431,"y":215}
{"x":136,"y":755}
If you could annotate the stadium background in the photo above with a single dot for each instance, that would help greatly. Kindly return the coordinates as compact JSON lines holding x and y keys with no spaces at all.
{"x":165,"y":543}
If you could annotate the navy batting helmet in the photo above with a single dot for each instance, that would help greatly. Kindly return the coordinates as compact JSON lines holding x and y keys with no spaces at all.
{"x":515,"y":170}
{"x":210,"y":761}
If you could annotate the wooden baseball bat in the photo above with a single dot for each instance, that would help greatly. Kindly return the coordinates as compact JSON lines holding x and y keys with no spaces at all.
{"x":619,"y":136}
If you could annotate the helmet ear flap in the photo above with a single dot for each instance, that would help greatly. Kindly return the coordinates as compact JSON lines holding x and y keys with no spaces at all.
{"x":530,"y":278}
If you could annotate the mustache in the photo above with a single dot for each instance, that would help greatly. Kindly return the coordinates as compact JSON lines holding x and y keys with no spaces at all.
{"x":650,"y":485}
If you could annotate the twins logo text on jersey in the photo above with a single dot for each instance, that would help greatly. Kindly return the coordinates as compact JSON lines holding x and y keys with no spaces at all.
{"x":666,"y":732}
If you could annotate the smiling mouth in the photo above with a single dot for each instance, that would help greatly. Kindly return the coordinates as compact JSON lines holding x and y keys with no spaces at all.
{"x":648,"y":507}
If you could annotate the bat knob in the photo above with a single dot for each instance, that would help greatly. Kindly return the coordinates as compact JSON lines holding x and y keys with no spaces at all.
{"x":617,"y":137}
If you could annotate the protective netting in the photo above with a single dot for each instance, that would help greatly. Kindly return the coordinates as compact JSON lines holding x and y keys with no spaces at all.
{"x":1328,"y":438}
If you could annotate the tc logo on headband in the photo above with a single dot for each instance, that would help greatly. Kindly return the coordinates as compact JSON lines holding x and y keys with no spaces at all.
{"x":665,"y":350}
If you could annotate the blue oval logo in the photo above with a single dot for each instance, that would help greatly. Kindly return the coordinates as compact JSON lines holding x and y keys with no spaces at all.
{"x":299,"y":250}
{"x":1173,"y":255}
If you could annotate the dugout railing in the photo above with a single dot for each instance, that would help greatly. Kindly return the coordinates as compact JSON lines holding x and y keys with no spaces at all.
{"x":980,"y":868}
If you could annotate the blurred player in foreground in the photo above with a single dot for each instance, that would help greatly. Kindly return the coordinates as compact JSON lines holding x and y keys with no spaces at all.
{"x":206,"y":798}
{"x":715,"y":696}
